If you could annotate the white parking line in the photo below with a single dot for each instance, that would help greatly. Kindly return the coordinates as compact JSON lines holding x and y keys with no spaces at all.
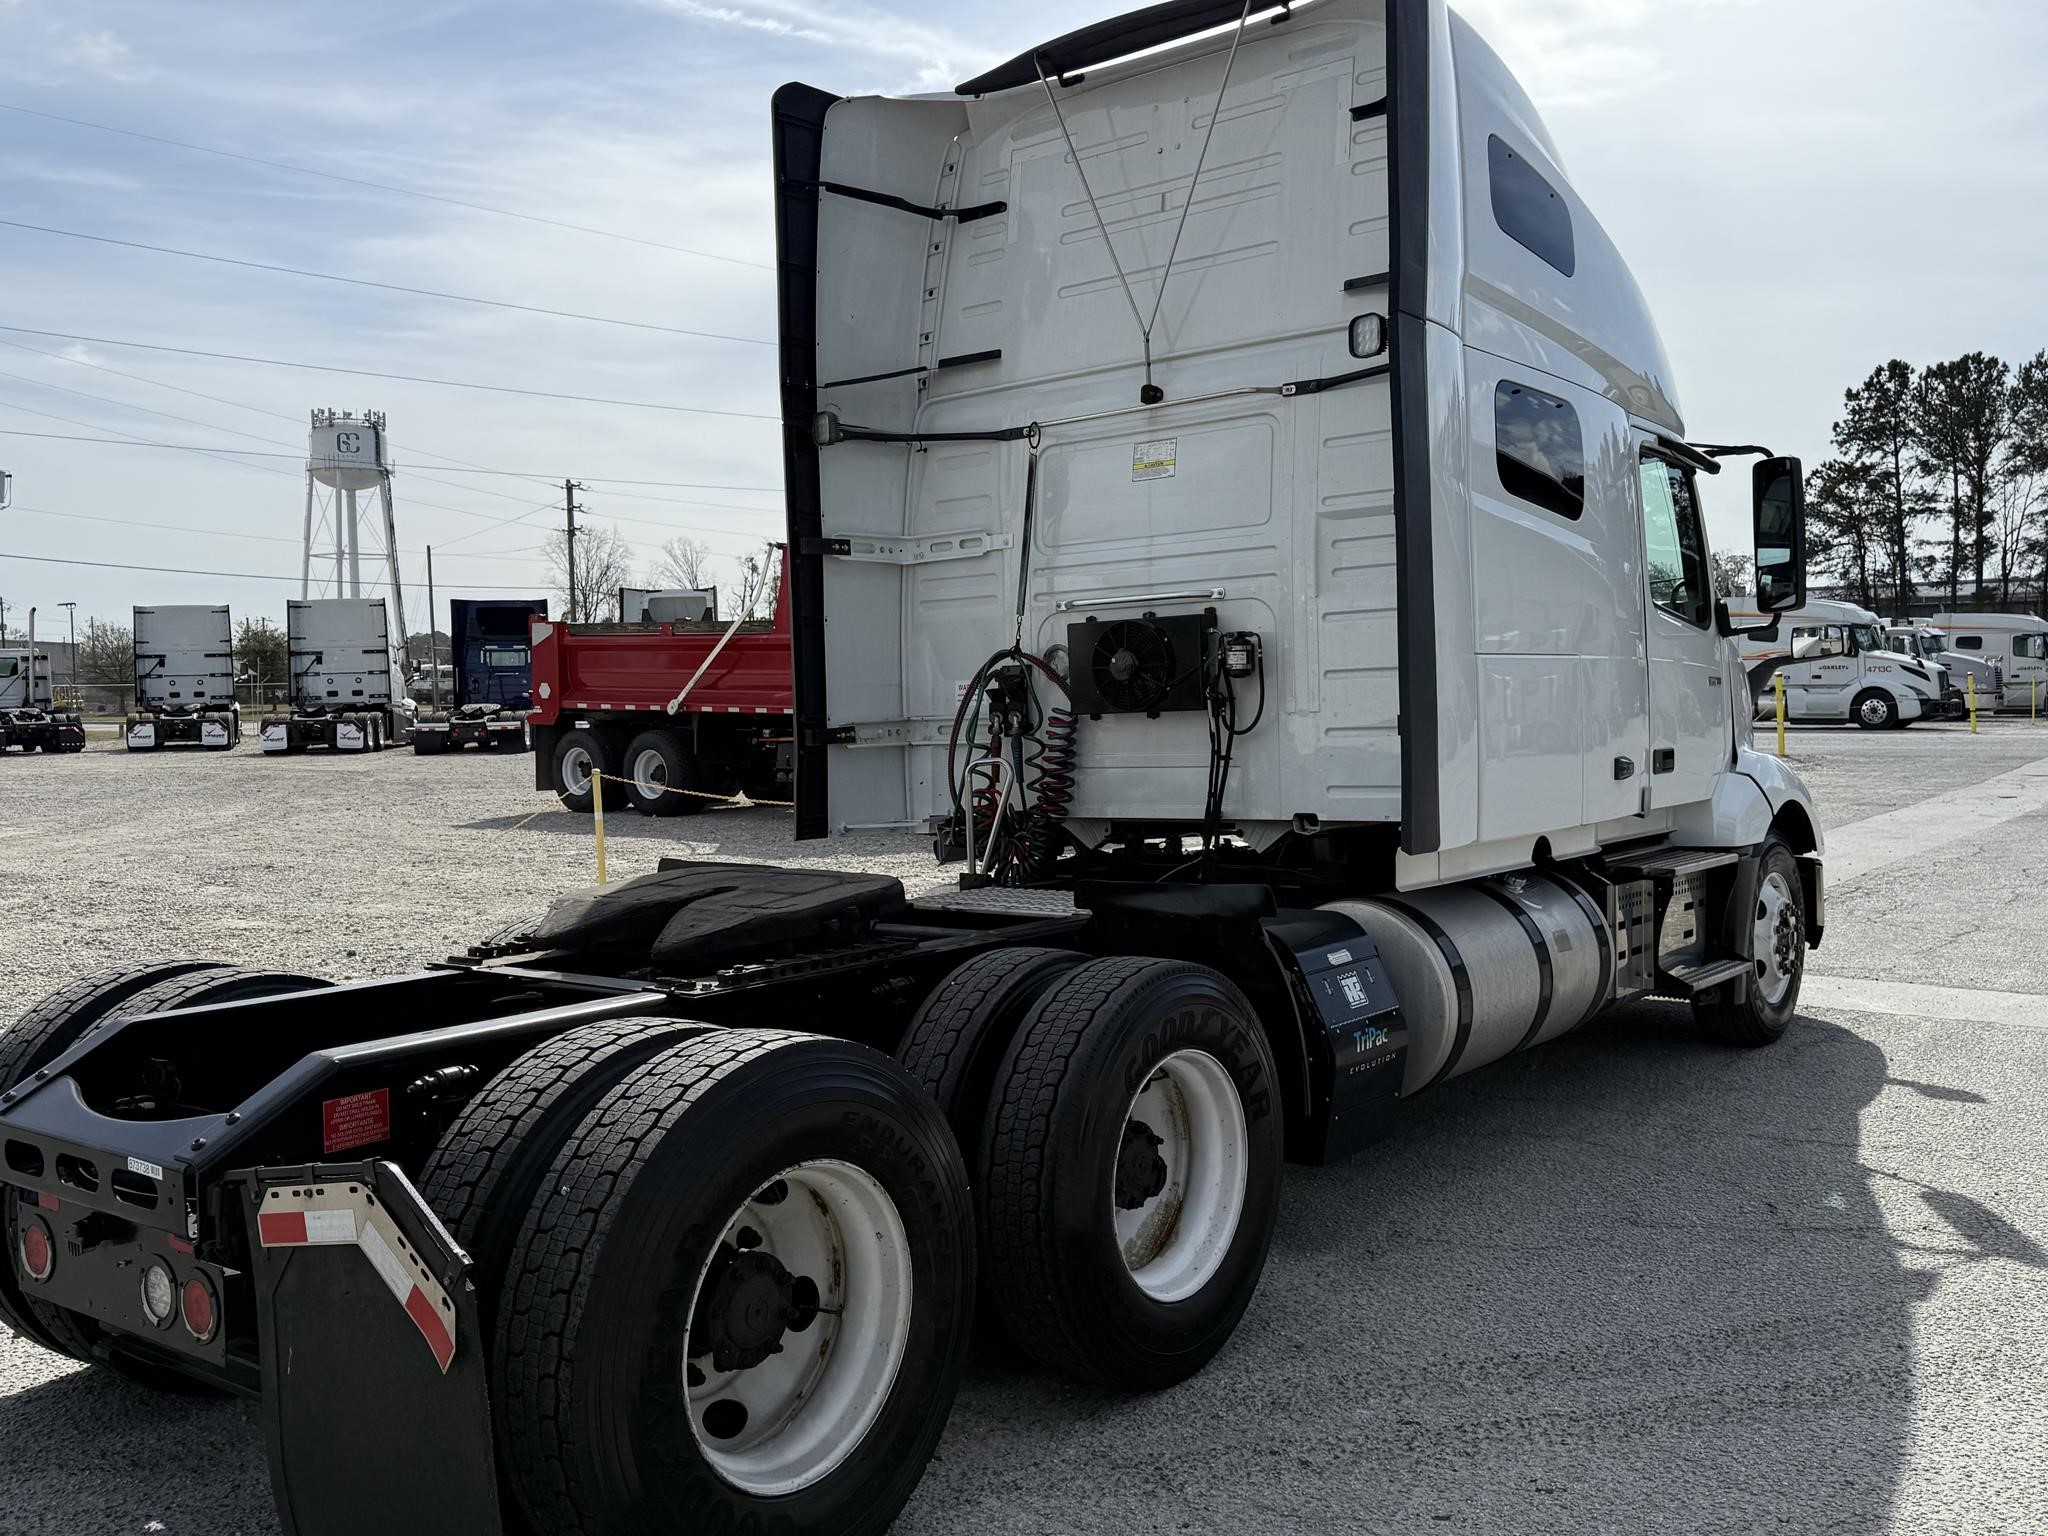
{"x":1927,"y":826}
{"x":2022,"y":1010}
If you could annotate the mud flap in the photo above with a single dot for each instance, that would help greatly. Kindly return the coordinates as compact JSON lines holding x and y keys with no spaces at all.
{"x":375,"y":1410}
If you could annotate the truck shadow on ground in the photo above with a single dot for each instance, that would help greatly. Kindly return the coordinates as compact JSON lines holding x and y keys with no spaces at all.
{"x":1630,"y":1282}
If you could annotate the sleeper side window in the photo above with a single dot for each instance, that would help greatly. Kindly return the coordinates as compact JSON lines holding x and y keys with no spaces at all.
{"x":1539,"y":451}
{"x":1528,"y":209}
{"x":1674,"y":542}
{"x":1969,"y":642}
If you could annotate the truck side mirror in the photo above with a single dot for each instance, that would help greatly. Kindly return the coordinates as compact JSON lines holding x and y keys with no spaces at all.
{"x":1779,"y":486}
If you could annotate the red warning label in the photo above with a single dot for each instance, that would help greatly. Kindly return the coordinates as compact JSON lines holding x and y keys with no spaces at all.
{"x":356,"y":1121}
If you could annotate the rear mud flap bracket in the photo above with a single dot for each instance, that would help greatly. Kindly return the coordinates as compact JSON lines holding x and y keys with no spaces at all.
{"x":376,"y":1414}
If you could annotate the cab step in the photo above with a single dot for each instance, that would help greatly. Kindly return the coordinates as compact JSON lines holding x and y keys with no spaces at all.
{"x":1692,"y":980}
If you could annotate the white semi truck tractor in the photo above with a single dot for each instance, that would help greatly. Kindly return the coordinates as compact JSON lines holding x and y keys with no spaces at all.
{"x":343,"y":690}
{"x":1239,"y":503}
{"x":184,"y":679}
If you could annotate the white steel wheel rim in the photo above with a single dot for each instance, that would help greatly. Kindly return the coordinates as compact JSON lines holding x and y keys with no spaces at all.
{"x":1174,"y":1239}
{"x":809,"y":1404}
{"x":650,"y":773}
{"x":576,"y":766}
{"x":1777,"y":938}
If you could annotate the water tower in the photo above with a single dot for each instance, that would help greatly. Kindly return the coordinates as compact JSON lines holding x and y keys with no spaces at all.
{"x":345,"y":454}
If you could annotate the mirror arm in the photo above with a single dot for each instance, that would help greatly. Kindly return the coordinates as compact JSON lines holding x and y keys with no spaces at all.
{"x":1724,"y":622}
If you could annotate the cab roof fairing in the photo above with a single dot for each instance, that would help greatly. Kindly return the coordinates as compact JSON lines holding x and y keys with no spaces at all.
{"x":1593,"y":328}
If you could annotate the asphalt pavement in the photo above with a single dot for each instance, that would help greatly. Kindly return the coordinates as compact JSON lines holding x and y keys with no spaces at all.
{"x":1629,"y":1282}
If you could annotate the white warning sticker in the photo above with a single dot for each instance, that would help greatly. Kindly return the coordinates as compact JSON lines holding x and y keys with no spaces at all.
{"x":1154,"y":460}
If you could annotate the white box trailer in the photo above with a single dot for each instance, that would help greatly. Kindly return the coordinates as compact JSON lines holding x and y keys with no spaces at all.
{"x":343,"y":691}
{"x":184,"y":679}
{"x":2016,"y":643}
{"x":1309,"y":644}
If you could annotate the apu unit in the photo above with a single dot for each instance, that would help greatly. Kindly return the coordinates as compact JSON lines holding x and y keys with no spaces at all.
{"x":1155,"y":664}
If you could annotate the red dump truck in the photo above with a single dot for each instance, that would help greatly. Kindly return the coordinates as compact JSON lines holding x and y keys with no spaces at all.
{"x":680,"y":712}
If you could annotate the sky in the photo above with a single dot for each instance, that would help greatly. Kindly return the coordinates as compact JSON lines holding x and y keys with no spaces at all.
{"x":1804,"y":188}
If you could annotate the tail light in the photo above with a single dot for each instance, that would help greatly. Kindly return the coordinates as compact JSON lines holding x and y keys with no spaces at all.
{"x":38,"y":1249}
{"x":201,"y":1309}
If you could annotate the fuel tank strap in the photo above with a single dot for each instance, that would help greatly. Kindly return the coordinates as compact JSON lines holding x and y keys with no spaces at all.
{"x":1545,"y":980}
{"x":1460,"y":979}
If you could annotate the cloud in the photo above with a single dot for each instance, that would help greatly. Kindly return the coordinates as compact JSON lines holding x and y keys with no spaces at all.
{"x":938,"y":59}
{"x":1581,"y":52}
{"x":101,"y":53}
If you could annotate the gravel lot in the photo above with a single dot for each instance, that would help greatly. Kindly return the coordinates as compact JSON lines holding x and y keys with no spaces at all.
{"x":1627,"y":1283}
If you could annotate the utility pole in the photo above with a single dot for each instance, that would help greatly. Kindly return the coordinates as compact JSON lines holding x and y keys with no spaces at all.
{"x":569,"y":490}
{"x":433,"y":633}
{"x":71,"y":612}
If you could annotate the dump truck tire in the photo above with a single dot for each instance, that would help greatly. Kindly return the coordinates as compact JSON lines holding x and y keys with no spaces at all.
{"x":579,"y":754}
{"x":640,"y":1382}
{"x":484,"y":1173}
{"x":658,"y":766}
{"x":186,"y":984}
{"x":1130,"y":1171}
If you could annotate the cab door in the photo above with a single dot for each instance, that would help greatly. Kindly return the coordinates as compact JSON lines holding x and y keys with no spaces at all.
{"x":1691,"y":727}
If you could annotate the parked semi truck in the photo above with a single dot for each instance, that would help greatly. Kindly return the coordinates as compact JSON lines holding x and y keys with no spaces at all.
{"x":1963,"y":673}
{"x":29,"y":717}
{"x":1330,"y":700}
{"x":1839,"y":665}
{"x":491,"y":677}
{"x":184,"y":679}
{"x":678,"y":711}
{"x":343,"y":691}
{"x":2015,"y":643}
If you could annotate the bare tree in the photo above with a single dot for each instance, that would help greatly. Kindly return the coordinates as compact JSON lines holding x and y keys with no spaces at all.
{"x":106,"y":653}
{"x":760,"y":583}
{"x":604,"y":563}
{"x":1733,"y":573}
{"x":684,"y":562}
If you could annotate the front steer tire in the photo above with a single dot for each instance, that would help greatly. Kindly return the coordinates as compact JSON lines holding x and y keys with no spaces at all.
{"x":623,"y":1278}
{"x":1758,"y":1020}
{"x":1070,"y":1155}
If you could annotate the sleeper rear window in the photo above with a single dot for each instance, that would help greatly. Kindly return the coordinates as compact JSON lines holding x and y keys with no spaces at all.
{"x":1539,"y":451}
{"x":1528,"y":209}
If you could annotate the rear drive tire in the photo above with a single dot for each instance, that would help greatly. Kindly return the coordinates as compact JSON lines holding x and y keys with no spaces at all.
{"x":489,"y":1164}
{"x":1131,"y":1171}
{"x":182,"y":984}
{"x":1874,"y":710}
{"x":1778,"y":939}
{"x":740,"y":1191}
{"x":579,"y":754}
{"x":658,"y":764}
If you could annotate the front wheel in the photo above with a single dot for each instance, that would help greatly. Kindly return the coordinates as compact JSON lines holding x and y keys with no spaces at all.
{"x":1777,"y":922}
{"x":1875,"y":710}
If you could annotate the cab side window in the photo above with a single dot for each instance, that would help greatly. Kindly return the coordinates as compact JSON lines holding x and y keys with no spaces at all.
{"x":1539,"y":449}
{"x":1674,"y":542}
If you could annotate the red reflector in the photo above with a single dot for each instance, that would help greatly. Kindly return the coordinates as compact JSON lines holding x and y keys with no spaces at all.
{"x":198,"y":1308}
{"x":47,"y":1202}
{"x":38,"y":1254}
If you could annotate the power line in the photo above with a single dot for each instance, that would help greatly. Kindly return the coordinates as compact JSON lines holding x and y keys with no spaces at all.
{"x":176,"y":570}
{"x":526,"y":553}
{"x":364,"y":282}
{"x":257,"y":453}
{"x":403,"y":378}
{"x":385,"y":186}
{"x":258,"y":410}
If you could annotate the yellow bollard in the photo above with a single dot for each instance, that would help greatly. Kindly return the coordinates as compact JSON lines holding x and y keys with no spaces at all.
{"x":1972,"y":683}
{"x":597,"y":818}
{"x":2034,"y":701}
{"x":1778,"y":681}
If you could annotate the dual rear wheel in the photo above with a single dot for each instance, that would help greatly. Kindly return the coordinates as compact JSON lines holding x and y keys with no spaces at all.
{"x":655,"y":773}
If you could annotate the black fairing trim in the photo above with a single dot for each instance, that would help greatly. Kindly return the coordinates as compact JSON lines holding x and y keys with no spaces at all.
{"x":1407,"y":305}
{"x":799,"y":134}
{"x":1105,"y":41}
